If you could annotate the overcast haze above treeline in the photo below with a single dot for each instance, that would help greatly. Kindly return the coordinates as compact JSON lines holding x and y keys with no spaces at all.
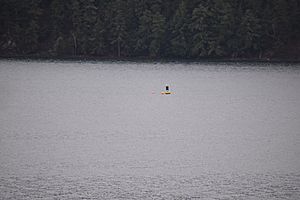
{"x":151,"y":28}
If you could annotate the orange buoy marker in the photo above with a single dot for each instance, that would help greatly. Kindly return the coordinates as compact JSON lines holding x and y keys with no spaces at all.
{"x":167,"y":90}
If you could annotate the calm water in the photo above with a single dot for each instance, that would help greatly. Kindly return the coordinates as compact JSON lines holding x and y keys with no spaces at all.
{"x":102,"y":130}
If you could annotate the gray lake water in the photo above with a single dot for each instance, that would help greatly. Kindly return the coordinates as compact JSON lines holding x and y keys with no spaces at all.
{"x":102,"y":130}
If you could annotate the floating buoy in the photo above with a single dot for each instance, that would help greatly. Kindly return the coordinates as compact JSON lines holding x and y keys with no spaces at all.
{"x":167,"y":90}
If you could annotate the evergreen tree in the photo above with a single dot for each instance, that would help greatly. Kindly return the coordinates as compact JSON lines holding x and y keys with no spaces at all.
{"x":119,"y":25}
{"x":28,"y":41}
{"x":8,"y":28}
{"x":100,"y":44}
{"x":179,"y":31}
{"x":62,"y":24}
{"x":150,"y":28}
{"x":202,"y":25}
{"x":144,"y":33}
{"x":84,"y":20}
{"x":157,"y":35}
{"x":89,"y":35}
{"x":151,"y":31}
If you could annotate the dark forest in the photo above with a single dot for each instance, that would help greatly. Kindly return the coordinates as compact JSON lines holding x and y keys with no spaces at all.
{"x":184,"y":29}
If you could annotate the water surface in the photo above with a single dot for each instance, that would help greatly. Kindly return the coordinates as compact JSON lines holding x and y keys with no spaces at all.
{"x":102,"y":130}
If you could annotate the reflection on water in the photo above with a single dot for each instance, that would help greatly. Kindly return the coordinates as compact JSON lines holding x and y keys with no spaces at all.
{"x":102,"y":130}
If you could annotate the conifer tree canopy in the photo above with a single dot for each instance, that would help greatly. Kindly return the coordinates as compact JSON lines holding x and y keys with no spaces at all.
{"x":152,"y":28}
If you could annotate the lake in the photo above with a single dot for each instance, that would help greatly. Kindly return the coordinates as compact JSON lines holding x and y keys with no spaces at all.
{"x":103,"y":130}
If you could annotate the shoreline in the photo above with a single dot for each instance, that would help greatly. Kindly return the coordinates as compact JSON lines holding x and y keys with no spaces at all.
{"x":147,"y":59}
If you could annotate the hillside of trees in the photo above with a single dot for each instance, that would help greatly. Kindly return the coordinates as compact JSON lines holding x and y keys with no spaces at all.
{"x":151,"y":28}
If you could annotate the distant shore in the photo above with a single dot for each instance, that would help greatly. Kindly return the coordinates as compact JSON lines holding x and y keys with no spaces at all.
{"x":145,"y":59}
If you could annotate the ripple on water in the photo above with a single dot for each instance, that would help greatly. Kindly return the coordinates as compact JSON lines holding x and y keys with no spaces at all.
{"x":208,"y":186}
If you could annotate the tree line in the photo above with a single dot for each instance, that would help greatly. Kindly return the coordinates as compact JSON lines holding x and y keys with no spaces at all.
{"x":148,"y":28}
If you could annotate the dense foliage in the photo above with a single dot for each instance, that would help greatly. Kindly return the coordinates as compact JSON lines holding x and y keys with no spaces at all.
{"x":148,"y":28}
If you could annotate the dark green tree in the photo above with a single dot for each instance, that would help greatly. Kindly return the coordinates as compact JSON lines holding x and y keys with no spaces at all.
{"x":84,"y":19}
{"x":119,"y":26}
{"x":150,"y":28}
{"x":157,"y":34}
{"x":29,"y":40}
{"x":179,"y":32}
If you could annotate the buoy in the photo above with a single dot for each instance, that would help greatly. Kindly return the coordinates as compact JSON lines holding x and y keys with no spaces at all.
{"x":167,"y":90}
{"x":167,"y":87}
